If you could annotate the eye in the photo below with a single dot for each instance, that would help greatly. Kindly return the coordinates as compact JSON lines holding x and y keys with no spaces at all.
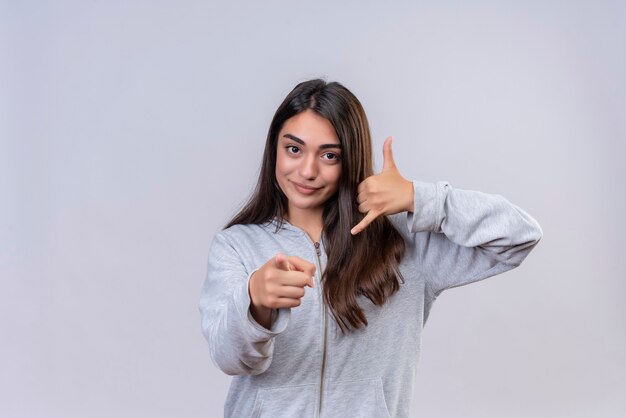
{"x":332,"y":156}
{"x":291,"y":148}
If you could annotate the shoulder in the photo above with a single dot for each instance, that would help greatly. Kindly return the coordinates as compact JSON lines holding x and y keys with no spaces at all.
{"x":245,"y":233}
{"x":236,"y":241}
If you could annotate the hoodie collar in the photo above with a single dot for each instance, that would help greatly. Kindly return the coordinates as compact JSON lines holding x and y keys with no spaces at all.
{"x":288,"y":227}
{"x":275,"y":221}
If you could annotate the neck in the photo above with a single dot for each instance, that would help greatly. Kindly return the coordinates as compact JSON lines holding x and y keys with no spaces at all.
{"x":310,"y":223}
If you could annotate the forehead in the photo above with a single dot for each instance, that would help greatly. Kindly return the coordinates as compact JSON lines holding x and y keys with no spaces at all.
{"x":310,"y":127}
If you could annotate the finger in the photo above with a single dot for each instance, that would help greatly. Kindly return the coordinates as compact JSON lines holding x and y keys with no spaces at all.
{"x":388,"y":162}
{"x":361,"y":187}
{"x":361,"y":197}
{"x":369,"y":218}
{"x":365,"y":207}
{"x":305,"y":267}
{"x":295,"y":278}
{"x":286,"y":303}
{"x":301,"y":264}
{"x":280,"y":261}
{"x":294,"y":292}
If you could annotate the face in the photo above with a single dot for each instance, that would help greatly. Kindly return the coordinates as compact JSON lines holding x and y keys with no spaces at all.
{"x":308,"y":163}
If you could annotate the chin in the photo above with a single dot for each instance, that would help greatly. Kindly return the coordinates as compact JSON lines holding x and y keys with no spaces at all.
{"x":306,"y":205}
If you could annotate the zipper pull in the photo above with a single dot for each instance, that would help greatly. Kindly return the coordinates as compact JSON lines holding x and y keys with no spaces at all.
{"x":317,"y":248}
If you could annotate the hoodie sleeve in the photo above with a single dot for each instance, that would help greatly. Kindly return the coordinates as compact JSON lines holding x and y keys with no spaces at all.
{"x":237,"y":343}
{"x":471,"y":235}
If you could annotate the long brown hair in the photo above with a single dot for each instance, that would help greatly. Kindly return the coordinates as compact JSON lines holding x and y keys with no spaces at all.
{"x":364,"y":264}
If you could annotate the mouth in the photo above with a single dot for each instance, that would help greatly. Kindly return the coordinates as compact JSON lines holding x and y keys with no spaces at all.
{"x":305,"y":189}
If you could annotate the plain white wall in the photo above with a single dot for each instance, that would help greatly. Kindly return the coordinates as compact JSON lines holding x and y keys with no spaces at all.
{"x":131,"y":131}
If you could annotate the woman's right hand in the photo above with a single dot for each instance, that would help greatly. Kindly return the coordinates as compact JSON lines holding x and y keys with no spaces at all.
{"x":279,"y":283}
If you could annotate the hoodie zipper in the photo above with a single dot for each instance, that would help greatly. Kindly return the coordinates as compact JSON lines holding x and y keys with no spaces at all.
{"x":319,"y":264}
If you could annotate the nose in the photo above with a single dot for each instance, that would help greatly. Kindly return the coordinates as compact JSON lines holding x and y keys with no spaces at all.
{"x":308,"y":167}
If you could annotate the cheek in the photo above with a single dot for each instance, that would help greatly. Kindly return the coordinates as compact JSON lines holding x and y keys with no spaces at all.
{"x":284,"y":165}
{"x":336,"y":175}
{"x":280,"y":165}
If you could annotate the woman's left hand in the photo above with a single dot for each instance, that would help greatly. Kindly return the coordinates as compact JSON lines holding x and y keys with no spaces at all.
{"x":386,"y":193}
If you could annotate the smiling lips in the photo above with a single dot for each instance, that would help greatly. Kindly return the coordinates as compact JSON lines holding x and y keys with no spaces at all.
{"x":304,"y":189}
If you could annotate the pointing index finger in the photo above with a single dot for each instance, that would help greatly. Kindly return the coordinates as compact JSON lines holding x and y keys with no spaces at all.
{"x":280,"y":261}
{"x":304,"y":266}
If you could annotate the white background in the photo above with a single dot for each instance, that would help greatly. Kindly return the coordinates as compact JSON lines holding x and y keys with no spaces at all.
{"x":132,"y":130}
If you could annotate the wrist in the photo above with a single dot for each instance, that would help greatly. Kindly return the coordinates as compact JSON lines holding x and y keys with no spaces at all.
{"x":410,"y":197}
{"x":251,"y":293}
{"x":260,"y":313}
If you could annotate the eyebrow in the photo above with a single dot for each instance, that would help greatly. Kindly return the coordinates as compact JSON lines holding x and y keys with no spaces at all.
{"x":301,"y":142}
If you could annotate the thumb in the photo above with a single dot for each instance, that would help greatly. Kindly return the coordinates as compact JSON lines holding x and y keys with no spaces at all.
{"x":388,"y":162}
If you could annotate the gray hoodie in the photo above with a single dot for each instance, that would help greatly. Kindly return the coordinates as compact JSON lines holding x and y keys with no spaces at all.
{"x":304,"y":366}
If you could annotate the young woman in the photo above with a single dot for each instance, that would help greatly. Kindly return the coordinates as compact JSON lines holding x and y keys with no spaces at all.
{"x":318,"y":289}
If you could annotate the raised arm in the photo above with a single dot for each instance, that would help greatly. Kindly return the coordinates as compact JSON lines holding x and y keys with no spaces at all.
{"x":473,"y":235}
{"x":460,"y":236}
